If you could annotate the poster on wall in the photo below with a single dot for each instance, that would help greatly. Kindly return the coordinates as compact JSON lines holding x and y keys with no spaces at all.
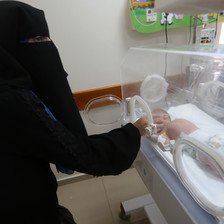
{"x":145,"y":20}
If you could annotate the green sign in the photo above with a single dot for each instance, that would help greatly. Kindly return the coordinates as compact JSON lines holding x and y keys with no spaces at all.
{"x":145,"y":20}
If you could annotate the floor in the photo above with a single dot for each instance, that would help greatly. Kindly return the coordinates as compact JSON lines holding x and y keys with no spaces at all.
{"x":97,"y":200}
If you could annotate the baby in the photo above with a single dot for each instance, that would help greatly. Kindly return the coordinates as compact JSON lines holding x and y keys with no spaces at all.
{"x":171,"y":130}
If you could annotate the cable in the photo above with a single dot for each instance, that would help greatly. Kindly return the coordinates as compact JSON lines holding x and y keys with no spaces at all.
{"x":190,"y":31}
{"x":166,"y":27}
{"x":166,"y":44}
{"x":195,"y":29}
{"x":165,"y":71}
{"x":216,"y":24}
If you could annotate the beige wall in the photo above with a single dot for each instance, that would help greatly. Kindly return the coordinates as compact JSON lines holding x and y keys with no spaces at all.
{"x":94,"y":36}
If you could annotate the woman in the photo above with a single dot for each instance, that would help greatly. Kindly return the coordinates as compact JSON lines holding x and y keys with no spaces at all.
{"x":40,"y":123}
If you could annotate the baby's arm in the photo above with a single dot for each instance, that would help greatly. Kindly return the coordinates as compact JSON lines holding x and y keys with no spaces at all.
{"x":178,"y":126}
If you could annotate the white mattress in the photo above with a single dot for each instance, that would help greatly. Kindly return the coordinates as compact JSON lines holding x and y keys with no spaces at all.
{"x":198,"y":117}
{"x":210,"y":185}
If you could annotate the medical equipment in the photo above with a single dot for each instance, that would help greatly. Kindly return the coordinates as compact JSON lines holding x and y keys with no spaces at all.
{"x":188,"y":7}
{"x":94,"y":114}
{"x":189,"y":83}
{"x":207,"y":36}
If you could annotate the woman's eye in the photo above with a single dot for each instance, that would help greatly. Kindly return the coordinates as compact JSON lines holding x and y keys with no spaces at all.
{"x":36,"y":39}
{"x":39,"y":39}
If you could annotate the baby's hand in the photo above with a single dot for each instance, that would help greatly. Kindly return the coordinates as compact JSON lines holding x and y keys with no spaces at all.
{"x":141,"y":124}
{"x":159,"y":123}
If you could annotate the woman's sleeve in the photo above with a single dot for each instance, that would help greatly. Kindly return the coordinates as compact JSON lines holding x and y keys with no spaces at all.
{"x":39,"y":137}
{"x":104,"y":154}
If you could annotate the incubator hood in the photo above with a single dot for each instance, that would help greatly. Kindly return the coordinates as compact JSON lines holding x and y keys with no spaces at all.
{"x":187,"y":84}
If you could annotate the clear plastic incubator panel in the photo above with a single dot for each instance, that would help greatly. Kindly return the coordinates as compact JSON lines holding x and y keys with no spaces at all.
{"x":181,"y":90}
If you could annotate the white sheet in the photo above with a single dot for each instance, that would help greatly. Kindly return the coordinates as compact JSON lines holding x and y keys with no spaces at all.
{"x":198,"y":117}
{"x":204,"y":178}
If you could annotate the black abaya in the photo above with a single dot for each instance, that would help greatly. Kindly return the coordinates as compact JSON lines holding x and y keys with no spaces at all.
{"x":29,"y":138}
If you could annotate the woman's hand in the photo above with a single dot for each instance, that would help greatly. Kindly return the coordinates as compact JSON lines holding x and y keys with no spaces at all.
{"x":141,"y":124}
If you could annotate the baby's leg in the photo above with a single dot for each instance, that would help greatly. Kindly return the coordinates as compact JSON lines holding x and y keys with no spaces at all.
{"x":206,"y":160}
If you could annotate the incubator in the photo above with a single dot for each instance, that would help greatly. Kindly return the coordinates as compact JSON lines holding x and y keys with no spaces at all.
{"x":181,"y":90}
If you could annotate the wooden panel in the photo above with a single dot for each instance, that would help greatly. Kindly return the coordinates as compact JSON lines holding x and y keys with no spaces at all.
{"x":83,"y":97}
{"x":130,"y":89}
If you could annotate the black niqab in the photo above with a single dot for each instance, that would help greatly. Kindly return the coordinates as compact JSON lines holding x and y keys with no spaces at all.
{"x":35,"y":66}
